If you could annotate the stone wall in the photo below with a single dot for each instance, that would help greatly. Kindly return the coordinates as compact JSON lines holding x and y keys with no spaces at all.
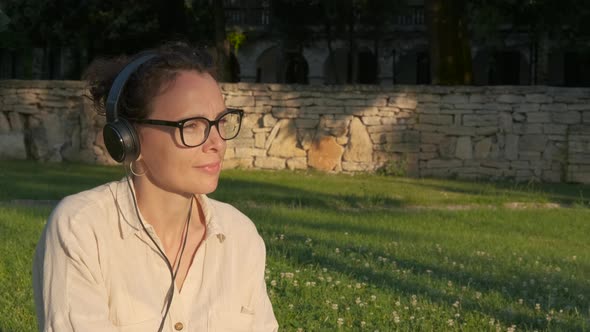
{"x":523,"y":133}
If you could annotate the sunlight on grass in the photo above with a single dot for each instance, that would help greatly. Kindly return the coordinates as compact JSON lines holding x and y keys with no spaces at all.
{"x":365,"y":252}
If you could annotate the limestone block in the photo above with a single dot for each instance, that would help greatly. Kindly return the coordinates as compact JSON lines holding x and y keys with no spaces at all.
{"x":447,"y":164}
{"x":519,"y":117}
{"x":344,"y":102}
{"x":482,"y":148}
{"x":532,"y":143}
{"x":240,"y":101}
{"x":285,"y":143}
{"x":431,"y":138}
{"x":349,"y":166}
{"x":241,"y":142}
{"x":4,"y":124}
{"x":519,"y":164}
{"x":539,"y":117}
{"x":427,"y":155}
{"x":320,"y":110}
{"x":585,"y":107}
{"x":402,"y":147}
{"x":25,"y":109}
{"x":269,"y":163}
{"x":230,"y":153}
{"x":428,"y":108}
{"x":405,"y":102}
{"x":237,"y":163}
{"x":360,"y":145}
{"x":551,"y":176}
{"x":586,"y":116}
{"x":12,"y":145}
{"x":538,"y":98}
{"x":529,"y":155}
{"x":257,"y":109}
{"x":16,"y":123}
{"x":579,"y":158}
{"x":268,"y":120}
{"x":478,"y":98}
{"x":554,"y":151}
{"x":464,"y":150}
{"x":554,"y":129}
{"x":10,"y":100}
{"x":436,"y":119}
{"x":325,"y":154}
{"x":511,"y":148}
{"x":526,"y":128}
{"x":526,"y":108}
{"x":569,"y":117}
{"x":510,"y":99}
{"x":285,"y":112}
{"x":554,"y":107}
{"x":472,"y":120}
{"x":447,"y":147}
{"x":579,"y":177}
{"x":261,"y":99}
{"x":371,"y":120}
{"x":455,"y":99}
{"x":297,"y":163}
{"x":307,"y":140}
{"x":377,"y":101}
{"x":306,"y":123}
{"x":245,"y":152}
{"x":342,"y":140}
{"x":457,"y":130}
{"x":273,"y":133}
{"x":428,"y":148}
{"x":469,"y":107}
{"x":360,"y":111}
{"x":486,"y":131}
{"x":428,"y":98}
{"x":380,"y":128}
{"x":259,"y":140}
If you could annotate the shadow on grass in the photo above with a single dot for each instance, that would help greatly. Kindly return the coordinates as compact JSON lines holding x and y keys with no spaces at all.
{"x":383,"y":278}
{"x":560,"y":193}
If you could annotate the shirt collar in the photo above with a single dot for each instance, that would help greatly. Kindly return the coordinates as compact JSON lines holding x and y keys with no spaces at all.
{"x":129,"y":223}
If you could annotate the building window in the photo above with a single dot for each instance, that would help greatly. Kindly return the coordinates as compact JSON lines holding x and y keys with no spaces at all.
{"x":576,"y":68}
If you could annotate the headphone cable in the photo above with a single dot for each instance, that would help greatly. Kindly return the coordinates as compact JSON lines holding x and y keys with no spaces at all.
{"x":173,"y":272}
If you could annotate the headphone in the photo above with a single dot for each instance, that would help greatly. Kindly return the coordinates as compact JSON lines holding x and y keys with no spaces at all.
{"x":120,"y":137}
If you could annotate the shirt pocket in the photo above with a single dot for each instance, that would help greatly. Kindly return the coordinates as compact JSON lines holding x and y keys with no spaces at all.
{"x":146,"y":325}
{"x":224,"y":321}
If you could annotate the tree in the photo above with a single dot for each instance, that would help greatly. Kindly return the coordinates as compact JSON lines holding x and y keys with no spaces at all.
{"x":450,"y":53}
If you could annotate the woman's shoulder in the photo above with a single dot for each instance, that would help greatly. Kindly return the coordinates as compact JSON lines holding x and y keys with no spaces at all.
{"x":86,"y":206}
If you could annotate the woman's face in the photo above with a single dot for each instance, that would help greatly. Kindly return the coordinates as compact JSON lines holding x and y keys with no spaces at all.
{"x":171,"y":165}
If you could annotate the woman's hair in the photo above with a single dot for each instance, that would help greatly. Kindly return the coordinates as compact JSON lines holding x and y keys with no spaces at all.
{"x":148,"y":81}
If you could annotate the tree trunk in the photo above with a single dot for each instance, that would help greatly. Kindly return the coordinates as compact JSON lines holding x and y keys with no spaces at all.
{"x":450,"y":52}
{"x":221,"y":43}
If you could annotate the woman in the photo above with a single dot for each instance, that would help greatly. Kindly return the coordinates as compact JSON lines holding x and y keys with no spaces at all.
{"x":152,"y":252}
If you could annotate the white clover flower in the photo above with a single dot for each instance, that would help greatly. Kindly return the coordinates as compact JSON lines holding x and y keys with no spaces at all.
{"x":334,"y":306}
{"x":450,"y":322}
{"x":340,"y":321}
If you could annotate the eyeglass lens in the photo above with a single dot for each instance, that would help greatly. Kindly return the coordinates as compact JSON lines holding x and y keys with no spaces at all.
{"x":196,"y":131}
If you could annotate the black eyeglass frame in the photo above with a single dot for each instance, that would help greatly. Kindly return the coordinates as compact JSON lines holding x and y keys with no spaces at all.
{"x":180,"y":124}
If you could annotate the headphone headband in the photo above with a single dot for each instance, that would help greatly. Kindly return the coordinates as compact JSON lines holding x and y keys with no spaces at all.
{"x":112,"y":102}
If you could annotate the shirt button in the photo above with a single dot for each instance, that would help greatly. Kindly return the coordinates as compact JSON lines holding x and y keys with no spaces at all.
{"x":178,"y":326}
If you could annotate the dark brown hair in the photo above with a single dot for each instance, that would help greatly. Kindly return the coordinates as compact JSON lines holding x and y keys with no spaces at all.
{"x":146,"y":82}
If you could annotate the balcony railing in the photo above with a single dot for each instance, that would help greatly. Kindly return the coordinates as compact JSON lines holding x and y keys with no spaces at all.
{"x":260,"y":16}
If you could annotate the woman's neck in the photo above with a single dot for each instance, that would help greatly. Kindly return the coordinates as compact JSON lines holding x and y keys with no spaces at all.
{"x":166,"y":211}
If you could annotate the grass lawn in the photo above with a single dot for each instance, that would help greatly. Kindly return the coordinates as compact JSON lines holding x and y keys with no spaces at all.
{"x":364,"y":252}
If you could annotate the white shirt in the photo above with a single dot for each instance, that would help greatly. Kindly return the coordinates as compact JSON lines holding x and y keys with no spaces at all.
{"x":95,"y":269}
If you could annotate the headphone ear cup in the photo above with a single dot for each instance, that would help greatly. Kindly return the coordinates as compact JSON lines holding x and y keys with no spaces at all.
{"x":121,"y":141}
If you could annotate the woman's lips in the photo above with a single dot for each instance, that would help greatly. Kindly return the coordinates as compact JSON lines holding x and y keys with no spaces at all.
{"x":210,"y":168}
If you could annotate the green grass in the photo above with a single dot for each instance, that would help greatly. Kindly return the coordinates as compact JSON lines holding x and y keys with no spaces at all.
{"x":365,"y":252}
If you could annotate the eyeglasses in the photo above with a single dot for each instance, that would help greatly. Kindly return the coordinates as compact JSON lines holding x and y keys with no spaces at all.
{"x":195,"y":131}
